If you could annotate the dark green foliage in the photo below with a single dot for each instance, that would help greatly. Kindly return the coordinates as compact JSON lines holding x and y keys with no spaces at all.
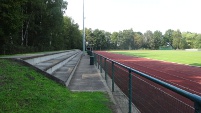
{"x":156,"y":41}
{"x":148,"y":35}
{"x":197,"y":42}
{"x":36,"y":25}
{"x":10,"y":21}
{"x":168,"y":37}
{"x":130,"y":40}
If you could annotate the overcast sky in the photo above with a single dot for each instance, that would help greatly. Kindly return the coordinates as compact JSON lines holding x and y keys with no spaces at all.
{"x":140,"y":15}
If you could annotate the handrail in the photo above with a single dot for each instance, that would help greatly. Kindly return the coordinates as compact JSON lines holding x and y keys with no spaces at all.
{"x":193,"y":97}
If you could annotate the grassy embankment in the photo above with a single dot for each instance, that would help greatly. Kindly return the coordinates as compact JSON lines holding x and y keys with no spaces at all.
{"x":23,"y":90}
{"x":183,"y":57}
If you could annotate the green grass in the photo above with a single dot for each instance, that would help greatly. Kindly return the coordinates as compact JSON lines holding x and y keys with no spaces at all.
{"x":23,"y":90}
{"x":178,"y":56}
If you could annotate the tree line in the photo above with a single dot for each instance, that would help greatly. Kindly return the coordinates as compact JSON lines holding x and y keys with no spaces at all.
{"x":40,"y":25}
{"x":130,"y":40}
{"x":36,"y":25}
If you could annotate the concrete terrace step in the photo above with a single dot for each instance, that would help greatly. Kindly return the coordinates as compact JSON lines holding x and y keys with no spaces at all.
{"x":53,"y":64}
{"x":60,"y":66}
{"x":66,"y":72}
{"x":44,"y":57}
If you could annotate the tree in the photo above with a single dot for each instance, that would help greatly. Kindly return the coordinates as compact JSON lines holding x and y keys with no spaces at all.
{"x":114,"y":40}
{"x":89,"y":36}
{"x":36,"y":25}
{"x":190,"y":38}
{"x":183,"y":44}
{"x":128,"y":39}
{"x":168,"y":38}
{"x":156,"y":41}
{"x":197,"y":41}
{"x":148,"y":36}
{"x":72,"y":37}
{"x":176,"y":39}
{"x":100,"y":39}
{"x":138,"y":40}
{"x":11,"y":19}
{"x":120,"y":39}
{"x":108,"y":40}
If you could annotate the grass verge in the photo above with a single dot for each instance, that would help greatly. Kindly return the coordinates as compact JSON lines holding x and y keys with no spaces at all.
{"x":178,"y":56}
{"x":22,"y":89}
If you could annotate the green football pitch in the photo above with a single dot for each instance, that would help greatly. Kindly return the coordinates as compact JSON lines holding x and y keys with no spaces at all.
{"x":178,"y":56}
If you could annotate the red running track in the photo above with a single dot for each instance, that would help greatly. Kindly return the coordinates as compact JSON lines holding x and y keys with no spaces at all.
{"x":182,"y":76}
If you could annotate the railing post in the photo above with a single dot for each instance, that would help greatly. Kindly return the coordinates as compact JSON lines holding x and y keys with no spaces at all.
{"x":130,"y":91}
{"x":101,"y":64}
{"x":98,"y":61}
{"x":112,"y":76}
{"x":197,"y":107}
{"x":105,"y":70}
{"x":95,"y":59}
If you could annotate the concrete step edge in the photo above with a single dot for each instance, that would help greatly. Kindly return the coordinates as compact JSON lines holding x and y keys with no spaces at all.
{"x":58,"y":65}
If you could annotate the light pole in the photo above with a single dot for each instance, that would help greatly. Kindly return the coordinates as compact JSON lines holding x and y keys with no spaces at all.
{"x":83,"y":32}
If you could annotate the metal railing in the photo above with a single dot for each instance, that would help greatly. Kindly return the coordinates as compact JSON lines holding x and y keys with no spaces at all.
{"x":145,"y":91}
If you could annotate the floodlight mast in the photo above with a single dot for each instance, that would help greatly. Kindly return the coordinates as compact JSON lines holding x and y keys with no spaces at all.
{"x":83,"y":32}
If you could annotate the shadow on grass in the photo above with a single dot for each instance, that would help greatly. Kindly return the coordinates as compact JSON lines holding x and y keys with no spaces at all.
{"x":195,"y":64}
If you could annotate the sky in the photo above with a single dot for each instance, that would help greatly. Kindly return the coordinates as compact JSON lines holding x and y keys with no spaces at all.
{"x":140,"y":15}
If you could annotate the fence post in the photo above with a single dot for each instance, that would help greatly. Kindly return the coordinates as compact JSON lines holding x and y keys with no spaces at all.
{"x":105,"y":70}
{"x":112,"y":76}
{"x":130,"y":91}
{"x":98,"y":61}
{"x":197,"y":107}
{"x":95,"y":59}
{"x":101,"y":64}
